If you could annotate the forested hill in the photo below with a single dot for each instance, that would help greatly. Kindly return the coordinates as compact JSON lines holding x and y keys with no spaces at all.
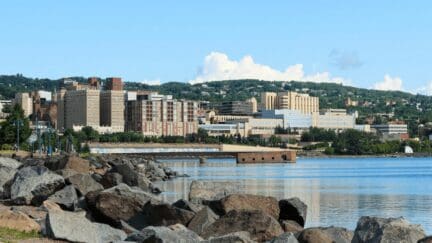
{"x":404,"y":105}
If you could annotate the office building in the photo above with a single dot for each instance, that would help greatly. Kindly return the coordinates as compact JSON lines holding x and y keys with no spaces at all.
{"x":236,"y":108}
{"x":334,"y":119}
{"x":81,"y":108}
{"x":114,"y":84}
{"x":4,"y":104}
{"x":112,"y":110}
{"x":289,"y":101}
{"x":25,"y":101}
{"x":391,"y":128}
{"x":290,"y":118}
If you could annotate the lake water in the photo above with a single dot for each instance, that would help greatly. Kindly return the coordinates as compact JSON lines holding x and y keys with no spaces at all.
{"x":337,"y":190}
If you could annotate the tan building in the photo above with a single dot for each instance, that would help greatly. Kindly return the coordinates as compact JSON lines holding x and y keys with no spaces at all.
{"x":60,"y":125}
{"x":289,"y":100}
{"x":112,"y":110}
{"x":81,"y":108}
{"x":26,"y":103}
{"x":253,"y":103}
{"x":333,"y":119}
{"x":162,"y":117}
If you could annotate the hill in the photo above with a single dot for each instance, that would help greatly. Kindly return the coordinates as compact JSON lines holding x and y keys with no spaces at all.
{"x":371,"y":103}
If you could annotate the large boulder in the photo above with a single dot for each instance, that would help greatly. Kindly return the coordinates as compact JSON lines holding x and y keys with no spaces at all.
{"x":291,"y":226}
{"x":183,"y":204}
{"x":67,"y":197}
{"x":8,"y":168}
{"x":285,"y":238}
{"x":203,"y":218}
{"x":426,"y":240}
{"x":375,"y":230}
{"x":326,"y":234}
{"x":236,"y":237}
{"x":293,"y":209}
{"x":211,"y":190}
{"x":74,"y":226}
{"x":238,"y":202}
{"x":162,"y":214}
{"x":163,"y":234}
{"x":84,"y":183}
{"x":70,"y":162}
{"x":34,"y":184}
{"x":111,"y":179}
{"x":120,"y":202}
{"x":260,"y":225}
{"x":18,"y":221}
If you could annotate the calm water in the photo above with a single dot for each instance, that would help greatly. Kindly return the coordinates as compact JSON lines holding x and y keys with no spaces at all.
{"x":337,"y":191}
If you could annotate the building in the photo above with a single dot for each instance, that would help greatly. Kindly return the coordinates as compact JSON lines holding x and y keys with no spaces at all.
{"x":244,"y":127}
{"x":253,"y":103}
{"x":112,"y":110}
{"x":26,"y":102}
{"x":81,"y":108}
{"x":289,"y":101}
{"x":114,"y":84}
{"x":158,"y":115}
{"x":391,"y":131}
{"x":3,"y":104}
{"x":334,"y":119}
{"x":233,"y":129}
{"x":236,"y":108}
{"x":94,"y":83}
{"x":293,"y":119}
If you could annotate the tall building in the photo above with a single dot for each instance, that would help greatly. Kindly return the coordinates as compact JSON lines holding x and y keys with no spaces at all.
{"x":114,"y":84}
{"x":112,"y":110}
{"x":93,"y":83}
{"x":236,"y":108}
{"x":289,"y":100}
{"x":162,"y":117}
{"x":26,"y":103}
{"x":61,"y":123}
{"x":81,"y":108}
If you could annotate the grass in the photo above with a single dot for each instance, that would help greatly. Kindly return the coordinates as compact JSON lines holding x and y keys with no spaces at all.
{"x":11,"y":235}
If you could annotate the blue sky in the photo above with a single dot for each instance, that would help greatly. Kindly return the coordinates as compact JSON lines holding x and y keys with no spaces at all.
{"x":371,"y":44}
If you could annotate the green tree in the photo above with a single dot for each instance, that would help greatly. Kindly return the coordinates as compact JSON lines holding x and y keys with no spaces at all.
{"x":14,"y":122}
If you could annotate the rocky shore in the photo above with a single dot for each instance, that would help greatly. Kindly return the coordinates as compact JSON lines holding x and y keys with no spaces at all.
{"x":113,"y":199}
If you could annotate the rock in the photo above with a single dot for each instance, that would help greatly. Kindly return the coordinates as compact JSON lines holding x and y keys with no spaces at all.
{"x":210,"y":190}
{"x":67,"y":198}
{"x":203,"y":218}
{"x":186,"y":205}
{"x":84,"y":183}
{"x":293,"y":209}
{"x":426,"y":240}
{"x":8,"y":168}
{"x":111,"y":179}
{"x":374,"y":229}
{"x":70,"y":162}
{"x":238,"y":202}
{"x":236,"y":237}
{"x":18,"y":221}
{"x":36,"y":213}
{"x":326,"y":234}
{"x":129,"y":175}
{"x":163,"y":214}
{"x":34,"y":184}
{"x":164,"y":234}
{"x":74,"y":226}
{"x":285,"y":238}
{"x":66,"y":173}
{"x":291,"y":226}
{"x":260,"y":225}
{"x":120,"y":202}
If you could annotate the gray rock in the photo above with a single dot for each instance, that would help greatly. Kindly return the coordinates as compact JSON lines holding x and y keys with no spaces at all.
{"x":202,"y":220}
{"x":67,"y":198}
{"x":73,"y":226}
{"x":236,"y":237}
{"x":210,"y":190}
{"x":163,"y":234}
{"x":293,"y":209}
{"x":375,"y":230}
{"x":8,"y":168}
{"x":426,"y":240}
{"x":285,"y":238}
{"x":84,"y":183}
{"x":121,"y":203}
{"x":163,"y":214}
{"x":34,"y":184}
{"x":260,"y":225}
{"x":186,"y":205}
{"x":111,"y":179}
{"x":291,"y":226}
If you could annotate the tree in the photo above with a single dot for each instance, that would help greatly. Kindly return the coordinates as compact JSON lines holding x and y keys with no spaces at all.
{"x":15,"y":122}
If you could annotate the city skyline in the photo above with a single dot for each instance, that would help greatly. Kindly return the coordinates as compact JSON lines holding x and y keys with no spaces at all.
{"x":370,"y":45}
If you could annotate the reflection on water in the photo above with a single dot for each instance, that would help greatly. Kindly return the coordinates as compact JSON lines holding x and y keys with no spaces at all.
{"x":337,"y":191}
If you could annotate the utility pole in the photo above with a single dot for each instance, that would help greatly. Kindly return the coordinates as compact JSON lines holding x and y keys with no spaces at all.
{"x":38,"y":136}
{"x":18,"y":123}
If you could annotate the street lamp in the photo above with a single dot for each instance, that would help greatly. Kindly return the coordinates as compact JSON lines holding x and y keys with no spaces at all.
{"x":18,"y":123}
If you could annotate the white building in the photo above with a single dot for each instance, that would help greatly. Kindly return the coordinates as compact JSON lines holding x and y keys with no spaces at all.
{"x":334,"y":119}
{"x":290,"y":118}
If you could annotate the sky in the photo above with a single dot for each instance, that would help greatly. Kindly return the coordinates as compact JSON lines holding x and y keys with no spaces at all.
{"x":371,"y":44}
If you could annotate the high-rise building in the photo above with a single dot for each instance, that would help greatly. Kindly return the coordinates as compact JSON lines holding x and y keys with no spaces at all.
{"x":93,"y":83}
{"x":112,"y":110}
{"x":236,"y":108}
{"x":289,"y":100}
{"x":114,"y":84}
{"x":26,"y":103}
{"x":81,"y":108}
{"x":162,"y":117}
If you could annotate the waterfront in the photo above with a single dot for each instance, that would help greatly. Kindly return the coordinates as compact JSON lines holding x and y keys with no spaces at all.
{"x":337,"y":190}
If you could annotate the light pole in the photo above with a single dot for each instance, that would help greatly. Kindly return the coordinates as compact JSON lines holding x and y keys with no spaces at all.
{"x":18,"y":123}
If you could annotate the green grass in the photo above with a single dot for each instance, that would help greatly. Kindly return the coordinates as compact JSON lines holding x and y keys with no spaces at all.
{"x":11,"y":235}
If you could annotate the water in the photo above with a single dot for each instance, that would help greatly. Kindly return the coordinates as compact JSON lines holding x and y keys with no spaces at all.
{"x":337,"y":190}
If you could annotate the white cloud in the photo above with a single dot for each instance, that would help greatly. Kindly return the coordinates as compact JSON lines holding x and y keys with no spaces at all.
{"x":218,"y":66}
{"x":425,"y":90}
{"x":152,"y":82}
{"x":389,"y":83}
{"x":345,"y":59}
